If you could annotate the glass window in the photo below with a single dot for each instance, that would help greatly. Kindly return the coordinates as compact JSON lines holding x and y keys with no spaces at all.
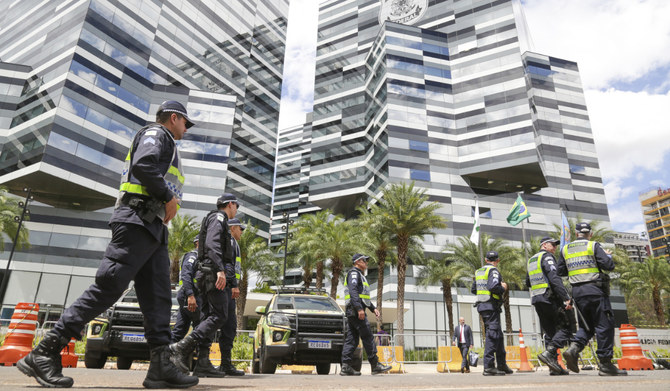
{"x":317,"y":303}
{"x":83,"y":72}
{"x":22,"y":287}
{"x":577,"y":170}
{"x":77,"y":286}
{"x":63,"y":143}
{"x":418,"y":145}
{"x":419,"y":175}
{"x":97,"y":118}
{"x":51,"y":288}
{"x":73,"y":106}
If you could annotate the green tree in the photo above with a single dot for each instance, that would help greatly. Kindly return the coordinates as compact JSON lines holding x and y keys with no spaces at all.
{"x":600,"y":233}
{"x":512,"y":269}
{"x":651,"y":277}
{"x":307,"y":234}
{"x":9,"y":209}
{"x":338,"y":242}
{"x":183,"y":229}
{"x":408,"y":214}
{"x":442,"y":272}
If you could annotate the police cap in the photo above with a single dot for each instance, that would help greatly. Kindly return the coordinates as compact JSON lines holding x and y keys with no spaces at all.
{"x":226,"y":198}
{"x":583,"y":227}
{"x":492,"y":256}
{"x":236,"y":222}
{"x":172,"y":106}
{"x":548,"y":239}
{"x":358,"y":257}
{"x":196,"y":240}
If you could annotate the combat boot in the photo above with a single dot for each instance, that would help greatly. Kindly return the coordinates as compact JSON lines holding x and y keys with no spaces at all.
{"x":571,"y":355}
{"x":378,"y":367}
{"x":562,"y":372}
{"x":609,"y":369}
{"x":181,"y":352}
{"x":204,"y":367}
{"x":506,"y":369}
{"x":550,"y":358}
{"x":163,"y":373}
{"x":493,"y":372}
{"x":229,"y":369}
{"x":348,"y":370}
{"x":44,"y":362}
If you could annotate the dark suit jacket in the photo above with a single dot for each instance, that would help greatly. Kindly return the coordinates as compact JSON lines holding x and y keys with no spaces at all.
{"x":467,"y":334}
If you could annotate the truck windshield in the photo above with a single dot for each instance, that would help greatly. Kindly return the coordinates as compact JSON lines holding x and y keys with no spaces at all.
{"x":315,"y":303}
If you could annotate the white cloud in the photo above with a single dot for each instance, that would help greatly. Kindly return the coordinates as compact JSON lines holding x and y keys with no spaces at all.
{"x":626,"y":214}
{"x":612,"y":40}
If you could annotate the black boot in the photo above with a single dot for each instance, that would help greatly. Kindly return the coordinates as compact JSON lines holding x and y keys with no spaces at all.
{"x":163,"y":373}
{"x":348,"y":370}
{"x":609,"y":369}
{"x":550,"y":358}
{"x":562,"y":372}
{"x":204,"y":367}
{"x":44,"y":362}
{"x":228,"y":368}
{"x":378,"y":367}
{"x":571,"y":355}
{"x":493,"y":372}
{"x":506,"y":369}
{"x":181,"y":352}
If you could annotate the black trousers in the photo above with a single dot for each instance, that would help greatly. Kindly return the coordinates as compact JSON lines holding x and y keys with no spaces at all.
{"x":356,"y":329}
{"x":494,"y":348}
{"x":133,"y":254}
{"x":555,"y":323}
{"x":185,"y":318}
{"x":214,"y":315}
{"x":465,"y":348}
{"x":597,"y":312}
{"x":228,"y":330}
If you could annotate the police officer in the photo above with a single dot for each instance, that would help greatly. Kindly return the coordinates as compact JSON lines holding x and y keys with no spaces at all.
{"x":551,"y":301}
{"x":583,"y":261}
{"x":489,"y":287}
{"x":229,"y":328}
{"x":216,"y":263}
{"x":357,"y":299}
{"x":188,"y":296}
{"x":149,"y":196}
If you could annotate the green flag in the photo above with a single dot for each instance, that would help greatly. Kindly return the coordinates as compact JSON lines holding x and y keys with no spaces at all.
{"x":518,"y":213}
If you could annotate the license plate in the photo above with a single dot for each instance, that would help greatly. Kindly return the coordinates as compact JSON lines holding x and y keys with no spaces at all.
{"x":319,"y":344}
{"x":133,"y":338}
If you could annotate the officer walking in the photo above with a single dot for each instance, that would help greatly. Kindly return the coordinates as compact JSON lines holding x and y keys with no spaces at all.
{"x":489,"y":287}
{"x":551,"y":301}
{"x":583,"y":261}
{"x":357,"y":299}
{"x":463,"y":339}
{"x":229,"y":328}
{"x":149,"y":196}
{"x":188,"y":296}
{"x":216,"y":261}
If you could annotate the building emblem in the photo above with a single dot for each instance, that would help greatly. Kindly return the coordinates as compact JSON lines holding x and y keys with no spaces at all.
{"x":402,"y":11}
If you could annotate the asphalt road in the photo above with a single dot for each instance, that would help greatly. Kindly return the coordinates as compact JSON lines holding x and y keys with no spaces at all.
{"x":418,"y":377}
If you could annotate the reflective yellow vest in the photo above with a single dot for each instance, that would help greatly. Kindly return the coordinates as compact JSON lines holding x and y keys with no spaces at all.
{"x":482,"y":280}
{"x":581,"y":261}
{"x":365,"y":295}
{"x":538,"y":282}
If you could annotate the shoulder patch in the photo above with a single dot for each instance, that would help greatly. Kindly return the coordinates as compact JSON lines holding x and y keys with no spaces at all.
{"x":219,"y":216}
{"x":550,"y":262}
{"x":151,"y":132}
{"x":191,"y":260}
{"x":149,"y":140}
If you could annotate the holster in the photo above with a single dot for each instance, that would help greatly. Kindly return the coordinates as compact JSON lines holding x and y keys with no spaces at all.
{"x":206,"y":278}
{"x":147,"y":208}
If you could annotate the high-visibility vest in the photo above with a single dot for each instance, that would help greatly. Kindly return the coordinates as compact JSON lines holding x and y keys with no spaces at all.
{"x":174,"y":178}
{"x":482,"y":280}
{"x":538,"y":282}
{"x":581,"y":261}
{"x":238,"y":261}
{"x":365,"y":295}
{"x":188,"y":255}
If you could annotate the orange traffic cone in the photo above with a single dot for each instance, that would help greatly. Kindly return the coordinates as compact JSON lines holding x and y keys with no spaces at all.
{"x":631,"y":352}
{"x":68,"y":356}
{"x":524,"y":365}
{"x":559,"y":357}
{"x":20,"y":334}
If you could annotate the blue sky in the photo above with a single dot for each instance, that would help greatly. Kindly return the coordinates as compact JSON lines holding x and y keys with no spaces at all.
{"x":623,"y":51}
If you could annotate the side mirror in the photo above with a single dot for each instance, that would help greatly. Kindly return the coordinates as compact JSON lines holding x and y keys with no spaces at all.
{"x":260,"y":310}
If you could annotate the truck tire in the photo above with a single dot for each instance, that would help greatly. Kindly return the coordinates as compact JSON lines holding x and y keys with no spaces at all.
{"x":94,"y":362}
{"x":123,"y":363}
{"x":323,"y":368}
{"x":266,"y":366}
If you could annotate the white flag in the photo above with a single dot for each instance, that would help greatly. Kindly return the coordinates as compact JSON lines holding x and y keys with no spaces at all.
{"x":474,"y":237}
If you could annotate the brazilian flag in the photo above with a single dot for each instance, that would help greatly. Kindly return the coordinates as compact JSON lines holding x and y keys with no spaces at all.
{"x":518,"y":213}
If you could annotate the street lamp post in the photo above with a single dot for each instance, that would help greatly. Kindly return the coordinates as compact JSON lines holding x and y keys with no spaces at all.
{"x":287,"y":235}
{"x":19,"y":220}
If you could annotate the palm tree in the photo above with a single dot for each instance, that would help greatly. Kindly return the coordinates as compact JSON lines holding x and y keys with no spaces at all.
{"x":407,"y":214}
{"x":442,"y":272}
{"x":9,"y":209}
{"x":649,"y":277}
{"x":253,"y":253}
{"x":512,"y":269}
{"x":338,"y":242}
{"x":183,"y":229}
{"x":306,"y":242}
{"x":600,"y":233}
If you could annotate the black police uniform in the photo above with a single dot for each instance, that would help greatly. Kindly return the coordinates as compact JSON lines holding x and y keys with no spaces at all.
{"x":357,"y":328}
{"x":550,"y":307}
{"x":185,"y":317}
{"x":229,"y":328}
{"x":494,"y":348}
{"x":593,"y":302}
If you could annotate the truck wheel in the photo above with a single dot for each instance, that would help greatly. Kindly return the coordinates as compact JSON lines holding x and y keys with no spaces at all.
{"x":265,"y":364}
{"x":94,"y":362}
{"x":323,"y":368}
{"x":123,"y":363}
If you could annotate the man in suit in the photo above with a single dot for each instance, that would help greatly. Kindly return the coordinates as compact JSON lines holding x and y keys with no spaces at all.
{"x":463,"y":339}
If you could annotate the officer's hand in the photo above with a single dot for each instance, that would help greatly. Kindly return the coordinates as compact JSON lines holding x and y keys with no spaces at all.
{"x":170,"y":210}
{"x":377,"y":313}
{"x":220,"y":281}
{"x":236,"y":293}
{"x":568,"y":305}
{"x":608,"y":252}
{"x":453,"y":343}
{"x":504,"y":285}
{"x":361,"y":314}
{"x":192,"y":304}
{"x":472,"y":347}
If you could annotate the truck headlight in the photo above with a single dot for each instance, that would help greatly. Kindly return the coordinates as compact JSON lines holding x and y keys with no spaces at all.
{"x":278,"y":319}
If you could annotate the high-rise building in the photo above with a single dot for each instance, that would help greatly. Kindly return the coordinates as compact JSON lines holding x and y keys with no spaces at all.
{"x":78,"y":79}
{"x":635,"y":245}
{"x":446,"y":93}
{"x":656,"y":212}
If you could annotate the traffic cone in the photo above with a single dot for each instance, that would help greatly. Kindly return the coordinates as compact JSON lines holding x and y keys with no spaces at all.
{"x":20,"y":334}
{"x":68,"y":356}
{"x":631,"y":352}
{"x":559,"y":357}
{"x":524,"y":365}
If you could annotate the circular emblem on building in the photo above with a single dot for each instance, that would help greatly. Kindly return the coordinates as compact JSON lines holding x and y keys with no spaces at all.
{"x":402,"y":11}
